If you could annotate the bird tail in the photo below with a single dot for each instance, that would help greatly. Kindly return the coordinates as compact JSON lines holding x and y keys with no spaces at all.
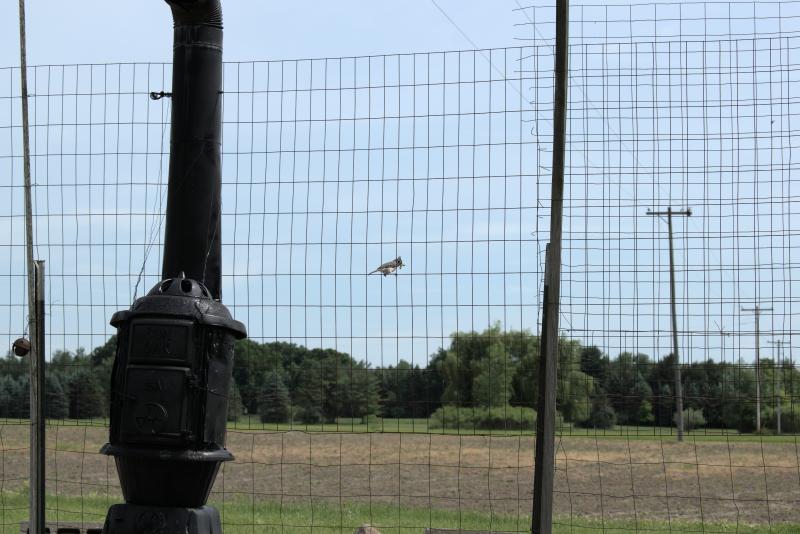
{"x":373,"y":272}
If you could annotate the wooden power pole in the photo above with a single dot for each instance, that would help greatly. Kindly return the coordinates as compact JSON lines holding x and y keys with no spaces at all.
{"x":778,"y":366}
{"x":757,"y":312}
{"x":544,"y":466}
{"x":678,"y":383}
{"x":722,"y":335}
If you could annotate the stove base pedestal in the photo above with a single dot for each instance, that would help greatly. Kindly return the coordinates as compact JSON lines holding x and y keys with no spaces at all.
{"x":135,"y":519}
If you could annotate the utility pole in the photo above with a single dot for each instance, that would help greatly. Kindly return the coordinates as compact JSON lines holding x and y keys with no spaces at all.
{"x":779,"y":383}
{"x":723,"y":334}
{"x":678,"y":384}
{"x":544,"y":467}
{"x":757,"y":312}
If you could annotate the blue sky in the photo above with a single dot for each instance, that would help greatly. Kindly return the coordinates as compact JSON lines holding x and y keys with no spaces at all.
{"x":334,"y":166}
{"x":97,"y":31}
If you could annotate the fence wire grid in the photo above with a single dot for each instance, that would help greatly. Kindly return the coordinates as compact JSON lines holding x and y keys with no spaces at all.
{"x":408,"y":401}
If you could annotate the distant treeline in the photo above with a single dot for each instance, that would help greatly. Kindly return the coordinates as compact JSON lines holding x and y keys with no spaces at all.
{"x":483,"y":379}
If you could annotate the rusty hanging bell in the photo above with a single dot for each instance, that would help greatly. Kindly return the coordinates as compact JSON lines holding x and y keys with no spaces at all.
{"x":21,"y":347}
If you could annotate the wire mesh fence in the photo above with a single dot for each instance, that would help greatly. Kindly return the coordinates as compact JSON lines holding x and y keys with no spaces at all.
{"x":408,"y":400}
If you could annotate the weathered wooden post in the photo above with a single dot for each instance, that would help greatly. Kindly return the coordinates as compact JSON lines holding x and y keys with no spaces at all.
{"x":544,"y":466}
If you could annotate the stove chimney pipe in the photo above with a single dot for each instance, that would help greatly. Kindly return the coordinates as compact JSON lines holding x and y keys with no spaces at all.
{"x":192,"y":235}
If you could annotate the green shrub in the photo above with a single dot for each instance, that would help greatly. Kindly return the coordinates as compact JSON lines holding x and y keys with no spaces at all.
{"x":482,"y":418}
{"x":692,"y":418}
{"x":646,"y":416}
{"x":602,"y":415}
{"x":86,"y":396}
{"x":576,"y":410}
{"x":306,"y":415}
{"x":790,"y":418}
{"x":739,"y":414}
{"x":451,"y":417}
{"x":14,"y":397}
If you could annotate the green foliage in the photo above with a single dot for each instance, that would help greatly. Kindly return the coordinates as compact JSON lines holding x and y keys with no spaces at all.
{"x":13,"y":366}
{"x":6,"y":395}
{"x":251,"y":363}
{"x":692,"y":418}
{"x":663,"y":402}
{"x":274,"y":402}
{"x":601,"y":416}
{"x":740,"y":416}
{"x":790,"y":418}
{"x":738,"y":390}
{"x":86,"y":395}
{"x":235,"y":406}
{"x":523,"y":347}
{"x":577,"y":410}
{"x":488,"y":374}
{"x":494,"y":368}
{"x":356,"y":392}
{"x":307,"y":415}
{"x":594,"y":363}
{"x":56,"y":405}
{"x":406,"y":391}
{"x":494,"y":373}
{"x":105,"y":352}
{"x":661,"y":379}
{"x":575,"y":388}
{"x":464,"y":361}
{"x":307,"y":392}
{"x":627,"y":388}
{"x":322,"y":384}
{"x":15,"y":397}
{"x":645,"y":415}
{"x":482,"y":418}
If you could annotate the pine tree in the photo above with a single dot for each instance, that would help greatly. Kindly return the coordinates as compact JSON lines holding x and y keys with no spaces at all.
{"x":86,"y":396}
{"x":22,"y":398}
{"x":273,"y":403}
{"x":56,"y":404}
{"x":6,"y":395}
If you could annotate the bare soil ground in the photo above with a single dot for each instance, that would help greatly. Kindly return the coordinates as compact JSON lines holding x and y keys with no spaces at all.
{"x":749,"y":483}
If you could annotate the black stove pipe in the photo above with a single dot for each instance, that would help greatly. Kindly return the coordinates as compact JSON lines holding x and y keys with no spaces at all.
{"x":192,"y":235}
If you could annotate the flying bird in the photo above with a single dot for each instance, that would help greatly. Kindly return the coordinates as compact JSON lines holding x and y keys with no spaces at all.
{"x":389,"y":267}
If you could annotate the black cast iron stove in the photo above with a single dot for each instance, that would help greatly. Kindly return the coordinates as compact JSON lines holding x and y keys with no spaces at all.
{"x":174,"y":360}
